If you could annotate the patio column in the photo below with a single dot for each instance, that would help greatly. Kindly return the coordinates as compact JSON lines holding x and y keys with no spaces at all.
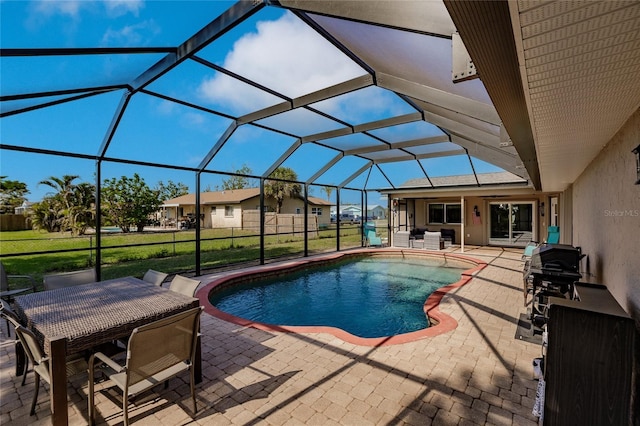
{"x":197,"y":213}
{"x":462,"y":224}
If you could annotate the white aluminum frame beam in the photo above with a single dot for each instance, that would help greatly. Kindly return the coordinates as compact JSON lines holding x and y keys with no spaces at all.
{"x":282,"y":158}
{"x":308,"y":99}
{"x":230,"y":18}
{"x":409,"y":157}
{"x":356,"y":174}
{"x":326,"y":167}
{"x":456,"y":103}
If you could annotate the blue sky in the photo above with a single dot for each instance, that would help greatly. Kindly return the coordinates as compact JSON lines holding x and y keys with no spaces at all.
{"x":273,"y":48}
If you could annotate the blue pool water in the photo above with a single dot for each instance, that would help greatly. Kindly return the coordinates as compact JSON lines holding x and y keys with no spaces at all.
{"x":369,"y":297}
{"x":110,"y":229}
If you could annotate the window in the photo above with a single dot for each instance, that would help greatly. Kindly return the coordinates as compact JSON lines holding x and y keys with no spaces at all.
{"x":453,"y":213}
{"x":228,"y":211}
{"x":436,"y":213}
{"x":213,"y":210}
{"x":316,"y":210}
{"x":445,"y":213}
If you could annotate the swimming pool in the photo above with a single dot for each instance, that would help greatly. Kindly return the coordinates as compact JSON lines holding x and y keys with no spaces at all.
{"x":110,"y":229}
{"x":366,"y":297}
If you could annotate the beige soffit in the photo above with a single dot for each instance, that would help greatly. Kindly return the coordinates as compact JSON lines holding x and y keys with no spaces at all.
{"x":580,"y":62}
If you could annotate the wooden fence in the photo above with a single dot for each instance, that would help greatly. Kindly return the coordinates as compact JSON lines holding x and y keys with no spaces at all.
{"x":13,"y":222}
{"x":283,"y":223}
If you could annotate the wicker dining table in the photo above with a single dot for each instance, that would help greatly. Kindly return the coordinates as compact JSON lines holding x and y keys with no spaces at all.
{"x":75,"y":319}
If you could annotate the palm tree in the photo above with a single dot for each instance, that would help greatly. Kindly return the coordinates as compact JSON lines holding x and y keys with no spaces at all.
{"x":64,"y":187}
{"x":328,"y":190}
{"x":45,"y":215}
{"x":82,"y":209}
{"x":71,"y":204}
{"x":283,"y":187}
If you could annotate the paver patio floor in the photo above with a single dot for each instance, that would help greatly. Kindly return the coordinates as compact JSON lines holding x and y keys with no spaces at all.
{"x":478,"y":373}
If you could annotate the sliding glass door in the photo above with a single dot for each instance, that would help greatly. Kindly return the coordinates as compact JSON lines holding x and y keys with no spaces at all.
{"x":511,"y":224}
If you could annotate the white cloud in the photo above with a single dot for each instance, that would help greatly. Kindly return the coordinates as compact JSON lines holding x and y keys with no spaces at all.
{"x":117,"y":8}
{"x":43,"y":10}
{"x":191,"y":119}
{"x":284,"y":55}
{"x":166,"y":108}
{"x":49,"y":8}
{"x":72,"y":8}
{"x":130,"y":35}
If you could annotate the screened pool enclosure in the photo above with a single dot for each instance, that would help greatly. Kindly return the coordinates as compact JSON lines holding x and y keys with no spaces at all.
{"x":354,"y":100}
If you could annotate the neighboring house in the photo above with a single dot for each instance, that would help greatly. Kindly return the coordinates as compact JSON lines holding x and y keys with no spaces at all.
{"x":25,"y":207}
{"x":376,"y":211}
{"x":350,"y":209}
{"x":224,"y":209}
{"x":373,"y":210}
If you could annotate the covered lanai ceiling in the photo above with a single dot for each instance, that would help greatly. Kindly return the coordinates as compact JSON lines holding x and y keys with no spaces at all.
{"x":377,"y":95}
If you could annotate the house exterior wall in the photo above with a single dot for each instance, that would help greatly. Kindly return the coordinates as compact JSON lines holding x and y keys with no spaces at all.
{"x":354,"y":210}
{"x":291,"y":205}
{"x":412,"y":210}
{"x":606,"y":217}
{"x":378,"y":212}
{"x":606,"y":225}
{"x":477,"y":230}
{"x":219,"y":218}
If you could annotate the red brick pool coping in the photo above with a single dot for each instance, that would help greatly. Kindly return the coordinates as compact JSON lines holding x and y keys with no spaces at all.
{"x":443,"y":322}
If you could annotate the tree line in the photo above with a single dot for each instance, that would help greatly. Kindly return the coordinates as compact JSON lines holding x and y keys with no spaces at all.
{"x":126,"y":202}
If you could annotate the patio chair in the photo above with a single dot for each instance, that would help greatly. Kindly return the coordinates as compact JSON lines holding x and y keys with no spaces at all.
{"x":155,"y":277}
{"x":184,"y":285}
{"x":553,"y":235}
{"x":156,"y":352}
{"x":401,"y":239}
{"x":10,"y":316}
{"x":371,"y":236}
{"x":69,"y":279}
{"x":433,"y":241}
{"x":5,"y":292}
{"x":75,"y":364}
{"x":526,"y":275}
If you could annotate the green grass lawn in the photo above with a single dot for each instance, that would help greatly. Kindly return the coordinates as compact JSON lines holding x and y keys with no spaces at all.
{"x":170,"y":252}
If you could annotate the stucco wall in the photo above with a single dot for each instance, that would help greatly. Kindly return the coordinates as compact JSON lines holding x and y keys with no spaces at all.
{"x":606,"y":217}
{"x":477,"y":232}
{"x":293,"y":205}
{"x":219,"y":219}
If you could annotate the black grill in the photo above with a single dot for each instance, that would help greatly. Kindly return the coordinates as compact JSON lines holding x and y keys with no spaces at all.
{"x":552,"y":271}
{"x":556,"y":259}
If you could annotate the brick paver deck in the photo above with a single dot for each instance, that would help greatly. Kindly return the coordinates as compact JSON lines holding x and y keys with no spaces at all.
{"x":476,"y":374}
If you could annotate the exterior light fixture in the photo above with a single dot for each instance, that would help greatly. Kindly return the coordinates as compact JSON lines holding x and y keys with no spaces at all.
{"x":636,"y":151}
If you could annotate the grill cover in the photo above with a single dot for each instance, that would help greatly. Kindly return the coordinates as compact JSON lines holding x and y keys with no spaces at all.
{"x":556,"y":256}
